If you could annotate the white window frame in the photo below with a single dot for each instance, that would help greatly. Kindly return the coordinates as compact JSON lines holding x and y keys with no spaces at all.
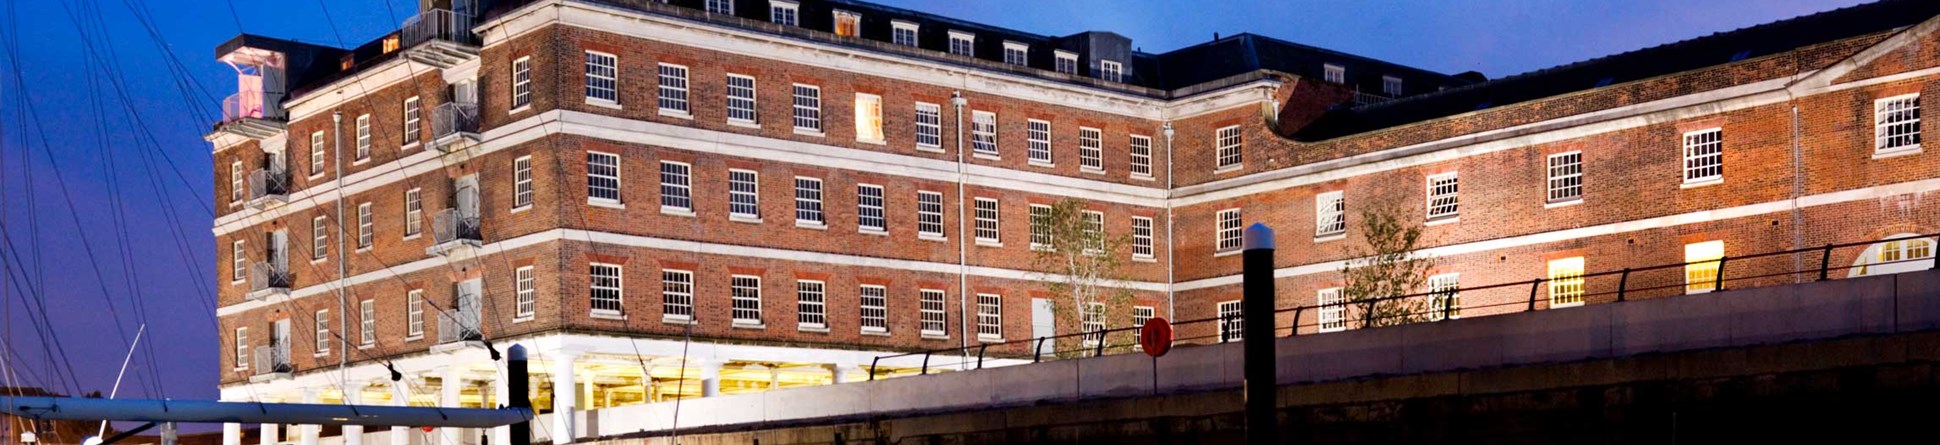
{"x":1091,"y":323}
{"x":811,"y":305}
{"x":413,"y":213}
{"x":868,"y":119}
{"x":413,"y":314}
{"x":808,"y":109}
{"x":365,"y":227}
{"x":989,"y":222}
{"x":963,"y":43}
{"x":743,"y":100}
{"x":1111,"y":71}
{"x":1091,"y":150}
{"x":525,"y":294}
{"x":1229,"y":225}
{"x":933,"y":313}
{"x":929,"y":215}
{"x":1391,"y":86}
{"x":1140,"y":152}
{"x":1565,"y":282}
{"x":316,"y":154}
{"x":1332,"y":313}
{"x":745,"y":302}
{"x":1330,"y":215}
{"x":323,"y":332}
{"x":674,"y":99}
{"x":1565,"y":177}
{"x":1095,"y":230}
{"x":1232,"y":320}
{"x":744,"y":195}
{"x":1332,"y":73}
{"x":237,"y":184}
{"x":605,"y":289}
{"x":676,"y":187}
{"x":1142,"y":246}
{"x":242,"y":348}
{"x":1041,"y":236}
{"x":1703,"y":156}
{"x":871,"y":208}
{"x":720,"y":7}
{"x":929,"y":127}
{"x":990,"y":317}
{"x":602,"y":78}
{"x":1444,"y":201}
{"x":413,"y":122}
{"x":238,"y":262}
{"x":784,"y":12}
{"x":1066,"y":62}
{"x":676,"y":295}
{"x":874,"y":317}
{"x":983,"y":134}
{"x":1445,"y":298}
{"x":319,"y":238}
{"x":904,"y":33}
{"x":1142,"y":315}
{"x":522,"y":183}
{"x":602,"y":168}
{"x":808,"y":203}
{"x":521,"y":83}
{"x":367,"y":322}
{"x":1886,"y":121}
{"x":1037,"y":136}
{"x":1017,"y":53}
{"x":1230,"y":148}
{"x":363,"y":138}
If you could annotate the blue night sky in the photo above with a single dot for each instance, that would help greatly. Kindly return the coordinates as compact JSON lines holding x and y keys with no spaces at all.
{"x":101,"y":264}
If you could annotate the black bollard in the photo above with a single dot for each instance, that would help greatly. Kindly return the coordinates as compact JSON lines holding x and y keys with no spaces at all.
{"x":1257,"y":313}
{"x":518,"y":384}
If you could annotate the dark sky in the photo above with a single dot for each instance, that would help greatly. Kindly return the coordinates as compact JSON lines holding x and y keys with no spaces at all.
{"x":102,"y":264}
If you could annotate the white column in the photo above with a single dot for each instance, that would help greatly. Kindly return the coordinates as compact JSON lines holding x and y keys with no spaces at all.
{"x":310,"y":432}
{"x":271,"y":433}
{"x":501,"y":435}
{"x":232,"y":434}
{"x":354,"y":395}
{"x":453,"y":381}
{"x":845,"y":373}
{"x":563,"y":394}
{"x":401,"y":396}
{"x":710,"y":378}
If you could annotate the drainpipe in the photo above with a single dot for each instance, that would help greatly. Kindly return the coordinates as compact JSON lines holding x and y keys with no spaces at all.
{"x":343,"y":266}
{"x":1798,"y":191}
{"x":1170,"y":265}
{"x":963,"y":249}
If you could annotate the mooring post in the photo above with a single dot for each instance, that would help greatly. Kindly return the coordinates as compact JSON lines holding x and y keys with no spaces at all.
{"x":519,"y":386}
{"x":1257,"y":336}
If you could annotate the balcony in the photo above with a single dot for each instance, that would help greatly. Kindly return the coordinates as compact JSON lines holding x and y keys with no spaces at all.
{"x":1362,"y":98}
{"x":268,"y":281}
{"x":272,"y":363}
{"x":269,"y":189}
{"x":440,"y":37}
{"x":457,"y":235}
{"x":462,"y":326}
{"x":249,"y":114}
{"x":454,"y":127}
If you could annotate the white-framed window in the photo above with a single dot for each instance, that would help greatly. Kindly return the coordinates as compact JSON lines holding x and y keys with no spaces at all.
{"x":869,"y":212}
{"x":1902,"y":254}
{"x":367,"y":322}
{"x":811,"y":304}
{"x":744,"y":194}
{"x":323,"y":331}
{"x":808,"y":201}
{"x":983,"y":133}
{"x":673,"y":90}
{"x":721,"y":6}
{"x":676,"y":187}
{"x":316,"y":153}
{"x":1037,"y":136}
{"x":963,"y":44}
{"x":414,"y":314}
{"x":1141,"y":154}
{"x":522,"y":182}
{"x":1142,"y":315}
{"x":1232,"y":321}
{"x":875,"y":308}
{"x":1017,"y":53}
{"x":1896,"y":123}
{"x":746,"y":293}
{"x":521,"y":82}
{"x":929,"y":214}
{"x":602,"y":77}
{"x":784,"y":12}
{"x":868,"y":118}
{"x":236,"y":184}
{"x":1231,"y":148}
{"x":242,"y":347}
{"x":988,"y":222}
{"x":364,"y":226}
{"x":1111,"y":71}
{"x":677,"y":294}
{"x":1333,"y":73}
{"x":1142,"y":238}
{"x":847,"y":24}
{"x":903,"y":33}
{"x":1094,"y":231}
{"x":413,"y":212}
{"x":1565,"y":177}
{"x":1228,"y":231}
{"x":1701,"y":263}
{"x":319,"y":238}
{"x":1704,"y":156}
{"x":1444,"y":296}
{"x":1091,"y":322}
{"x":602,"y":177}
{"x":741,"y":103}
{"x":1332,"y":316}
{"x":929,"y":125}
{"x":808,"y":108}
{"x":238,"y":262}
{"x":1330,"y":214}
{"x":1091,"y":149}
{"x":1067,"y":62}
{"x":933,"y":318}
{"x":990,"y":316}
{"x":1041,"y":227}
{"x":525,"y":298}
{"x":1566,"y":282}
{"x":1443,"y":199}
{"x":1391,"y":85}
{"x":363,"y":137}
{"x":604,"y":290}
{"x":413,"y":122}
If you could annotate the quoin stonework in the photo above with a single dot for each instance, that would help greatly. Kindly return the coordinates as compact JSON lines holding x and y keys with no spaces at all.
{"x":687,"y":198}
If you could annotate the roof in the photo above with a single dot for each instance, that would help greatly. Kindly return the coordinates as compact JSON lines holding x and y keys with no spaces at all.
{"x":1716,"y":49}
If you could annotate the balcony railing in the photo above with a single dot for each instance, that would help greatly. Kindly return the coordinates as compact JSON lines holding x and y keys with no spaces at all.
{"x":268,"y":278}
{"x":268,"y":188}
{"x":454,"y":231}
{"x":439,"y":24}
{"x":273,"y":359}
{"x":1363,"y":98}
{"x":463,"y":322}
{"x":244,"y":105}
{"x":452,"y":123}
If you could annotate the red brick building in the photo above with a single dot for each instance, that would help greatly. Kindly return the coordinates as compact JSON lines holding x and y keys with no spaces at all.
{"x":695,"y":197}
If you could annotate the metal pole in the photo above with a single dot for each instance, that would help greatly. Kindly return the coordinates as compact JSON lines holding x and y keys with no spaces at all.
{"x":1261,"y":382}
{"x":1825,"y":261}
{"x":1533,"y":286}
{"x":168,"y":433}
{"x":1717,"y":283}
{"x":518,"y":388}
{"x":1622,"y":282}
{"x":343,"y":261}
{"x":963,"y":250}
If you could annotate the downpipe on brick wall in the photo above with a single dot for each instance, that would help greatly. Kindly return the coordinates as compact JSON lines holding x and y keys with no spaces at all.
{"x":1170,"y":264}
{"x":343,"y":261}
{"x":963,"y":250}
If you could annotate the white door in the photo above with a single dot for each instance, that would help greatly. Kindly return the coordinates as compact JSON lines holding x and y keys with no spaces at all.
{"x":1043,"y":324}
{"x":279,"y":252}
{"x":467,"y":196}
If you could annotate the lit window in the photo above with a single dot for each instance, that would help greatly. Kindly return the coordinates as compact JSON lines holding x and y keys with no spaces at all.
{"x":929,"y":126}
{"x":1333,"y":310}
{"x":1231,"y":148}
{"x":391,"y":43}
{"x":673,"y":90}
{"x":990,"y":317}
{"x":869,"y":213}
{"x":1229,"y":231}
{"x":1110,"y":71}
{"x":1896,"y":123}
{"x":521,"y":82}
{"x":903,"y":33}
{"x":847,"y":24}
{"x":808,"y":109}
{"x":238,"y":262}
{"x":963,"y":44}
{"x":1091,"y":149}
{"x":1017,"y":53}
{"x":1037,"y":137}
{"x":526,"y":297}
{"x":602,"y":74}
{"x":316,"y":153}
{"x":319,"y":239}
{"x":412,"y":122}
{"x":933,"y":317}
{"x":363,"y":137}
{"x":983,"y":133}
{"x":811,"y":302}
{"x":1443,"y":201}
{"x":1566,"y":282}
{"x":929,"y":215}
{"x":808,"y":201}
{"x":1444,"y":301}
{"x":1701,"y":263}
{"x":367,"y":322}
{"x":675,"y":188}
{"x":720,"y":6}
{"x":783,"y":12}
{"x":1566,"y":177}
{"x":522,"y":182}
{"x":1040,"y":227}
{"x":744,"y":195}
{"x":604,"y":290}
{"x":1141,"y":238}
{"x":364,"y":226}
{"x":677,"y":295}
{"x":1391,"y":85}
{"x":988,"y":222}
{"x":1232,"y":322}
{"x":1897,"y":256}
{"x":740,"y":99}
{"x":1141,"y":152}
{"x":242,"y":347}
{"x":875,"y":308}
{"x":414,"y":314}
{"x":602,"y":178}
{"x":746,"y":292}
{"x":323,"y":332}
{"x":868,"y":118}
{"x":1330,"y":214}
{"x":1334,"y":73}
{"x":1067,"y":63}
{"x":1091,"y":322}
{"x":236,"y":184}
{"x":413,"y":212}
{"x":1703,"y":156}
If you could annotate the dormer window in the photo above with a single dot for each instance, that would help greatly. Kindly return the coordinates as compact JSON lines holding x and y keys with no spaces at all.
{"x":720,"y":6}
{"x":784,"y":12}
{"x":903,"y":33}
{"x":391,"y":43}
{"x":1017,"y":53}
{"x":1067,"y":62}
{"x":1110,"y":71}
{"x":847,"y":24}
{"x":963,"y":44}
{"x":1391,"y":85}
{"x":1334,"y":73}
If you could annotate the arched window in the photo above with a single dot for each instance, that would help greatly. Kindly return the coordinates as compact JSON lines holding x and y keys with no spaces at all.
{"x":1902,"y":254}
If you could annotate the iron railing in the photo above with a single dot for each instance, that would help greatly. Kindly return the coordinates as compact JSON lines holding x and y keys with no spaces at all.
{"x":1917,"y":252}
{"x":1365,"y":98}
{"x":268,"y":275}
{"x":273,"y":359}
{"x":454,"y":118}
{"x":266,"y":183}
{"x":439,"y":24}
{"x":463,"y":322}
{"x":450,"y":225}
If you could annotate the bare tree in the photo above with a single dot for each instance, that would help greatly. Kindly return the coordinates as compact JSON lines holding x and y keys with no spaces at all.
{"x":1079,"y":260}
{"x":1386,"y":266}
